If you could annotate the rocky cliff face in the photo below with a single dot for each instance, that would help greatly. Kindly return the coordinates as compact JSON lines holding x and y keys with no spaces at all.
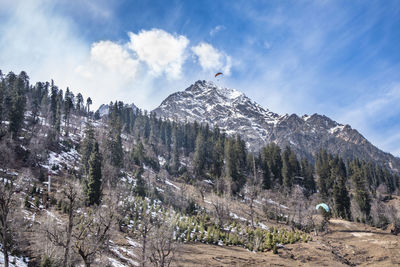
{"x":235,"y":113}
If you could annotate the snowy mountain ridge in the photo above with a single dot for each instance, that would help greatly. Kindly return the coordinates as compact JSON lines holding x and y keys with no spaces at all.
{"x":104,"y":109}
{"x":234,"y":113}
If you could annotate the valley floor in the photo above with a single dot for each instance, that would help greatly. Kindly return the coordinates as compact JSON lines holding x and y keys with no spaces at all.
{"x":347,"y":244}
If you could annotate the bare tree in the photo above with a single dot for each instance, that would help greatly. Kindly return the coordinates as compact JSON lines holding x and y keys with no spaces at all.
{"x":61,"y":237}
{"x":393,"y":214}
{"x":143,"y":229}
{"x":7,"y":204}
{"x":252,"y":190}
{"x":154,"y":228}
{"x":221,"y":209}
{"x":162,"y":244}
{"x":92,"y":232}
{"x":298,"y":203}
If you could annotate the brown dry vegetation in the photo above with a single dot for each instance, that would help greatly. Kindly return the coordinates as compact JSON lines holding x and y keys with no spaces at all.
{"x":347,"y":244}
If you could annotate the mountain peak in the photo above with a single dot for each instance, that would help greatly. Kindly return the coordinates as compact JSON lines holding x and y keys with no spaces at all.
{"x":234,"y":113}
{"x":209,"y":87}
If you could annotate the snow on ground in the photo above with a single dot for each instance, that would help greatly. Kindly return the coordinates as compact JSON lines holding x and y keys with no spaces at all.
{"x":116,"y":263}
{"x":161,"y":160}
{"x":263,"y":226}
{"x":69,"y":158}
{"x":258,"y":202}
{"x":54,"y":217}
{"x":132,"y":242}
{"x":127,"y":251}
{"x":234,"y":216}
{"x":14,"y":261}
{"x":356,"y":234}
{"x":128,"y":178}
{"x":4,"y":180}
{"x":270,"y":201}
{"x":117,"y":251}
{"x":208,"y":202}
{"x":159,"y":189}
{"x":171,"y":184}
{"x":11,"y":173}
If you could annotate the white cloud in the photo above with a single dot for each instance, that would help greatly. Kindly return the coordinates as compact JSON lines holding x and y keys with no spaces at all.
{"x":217,"y":29}
{"x":45,"y":44}
{"x":35,"y":37}
{"x":107,"y":56}
{"x":211,"y":59}
{"x":162,"y":51}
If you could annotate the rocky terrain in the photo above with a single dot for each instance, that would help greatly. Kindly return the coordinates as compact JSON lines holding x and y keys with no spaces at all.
{"x":235,"y":113}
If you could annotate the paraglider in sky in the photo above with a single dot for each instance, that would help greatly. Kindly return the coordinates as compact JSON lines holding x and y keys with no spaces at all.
{"x":322,"y":205}
{"x":218,"y":74}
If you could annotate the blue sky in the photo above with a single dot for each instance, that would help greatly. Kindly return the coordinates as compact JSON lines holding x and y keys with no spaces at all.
{"x":338,"y":58}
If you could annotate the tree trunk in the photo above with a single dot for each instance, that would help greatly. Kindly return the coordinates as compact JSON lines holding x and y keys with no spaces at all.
{"x":4,"y":232}
{"x":69,"y":233}
{"x":252,"y":212}
{"x":144,"y":246}
{"x":5,"y":257}
{"x":84,"y":257}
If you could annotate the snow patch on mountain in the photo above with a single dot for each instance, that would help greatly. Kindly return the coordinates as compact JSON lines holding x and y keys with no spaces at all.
{"x":234,"y":113}
{"x":336,"y":129}
{"x":104,"y":109}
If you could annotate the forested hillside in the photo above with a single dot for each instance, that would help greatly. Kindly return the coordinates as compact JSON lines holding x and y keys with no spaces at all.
{"x":131,"y":188}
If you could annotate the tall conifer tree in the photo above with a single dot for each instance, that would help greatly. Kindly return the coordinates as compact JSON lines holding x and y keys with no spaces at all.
{"x":93,"y":188}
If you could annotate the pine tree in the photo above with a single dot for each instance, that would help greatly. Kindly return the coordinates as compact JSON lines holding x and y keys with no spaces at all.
{"x":294,"y":164}
{"x":199,"y":155}
{"x":361,"y":193}
{"x":271,"y":154}
{"x":18,"y":104}
{"x":229,"y":160}
{"x":93,"y":188}
{"x":44,"y":102}
{"x":140,"y":188}
{"x":340,"y":194}
{"x":53,"y":104}
{"x":79,"y":103}
{"x":88,"y":103}
{"x":266,"y":182}
{"x":175,"y":151}
{"x":8,"y":86}
{"x":138,"y":154}
{"x":323,"y":171}
{"x":86,"y":147}
{"x":57,"y":125}
{"x":68,"y":106}
{"x":2,"y":89}
{"x":287,"y":171}
{"x":238,"y":156}
{"x":114,"y":142}
{"x":36,"y":98}
{"x":218,"y":158}
{"x":307,"y":173}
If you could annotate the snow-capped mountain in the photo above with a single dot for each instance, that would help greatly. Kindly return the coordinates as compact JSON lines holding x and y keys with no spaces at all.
{"x":105,"y":108}
{"x":235,"y":113}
